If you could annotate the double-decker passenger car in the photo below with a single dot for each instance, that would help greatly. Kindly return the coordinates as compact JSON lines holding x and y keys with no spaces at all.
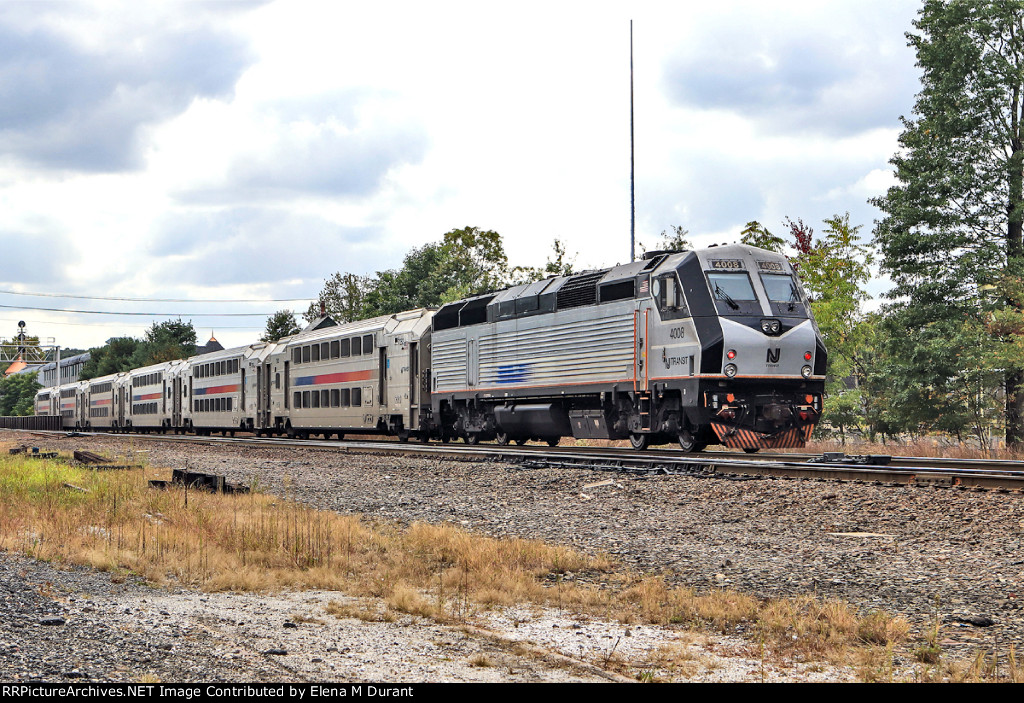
{"x":358,"y":377}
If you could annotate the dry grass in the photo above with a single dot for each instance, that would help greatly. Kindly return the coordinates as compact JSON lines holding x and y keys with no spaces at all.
{"x":932,"y":446}
{"x":261,"y":543}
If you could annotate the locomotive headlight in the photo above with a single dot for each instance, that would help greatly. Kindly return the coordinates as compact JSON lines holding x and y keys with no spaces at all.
{"x":730,"y":370}
{"x":805,"y":372}
{"x":731,"y":353}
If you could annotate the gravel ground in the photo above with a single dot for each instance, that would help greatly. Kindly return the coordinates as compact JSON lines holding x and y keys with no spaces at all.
{"x":927,"y":553}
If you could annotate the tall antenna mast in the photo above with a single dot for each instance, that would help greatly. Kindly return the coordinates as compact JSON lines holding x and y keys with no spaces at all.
{"x":632,"y":169}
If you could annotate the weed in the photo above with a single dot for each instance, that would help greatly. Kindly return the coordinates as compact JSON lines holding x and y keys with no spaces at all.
{"x":481,"y":660}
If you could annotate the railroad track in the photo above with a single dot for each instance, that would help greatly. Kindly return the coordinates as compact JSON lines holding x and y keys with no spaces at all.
{"x":920,"y":471}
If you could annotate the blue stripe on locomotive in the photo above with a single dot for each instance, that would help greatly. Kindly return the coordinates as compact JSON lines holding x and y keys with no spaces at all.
{"x":513,"y":373}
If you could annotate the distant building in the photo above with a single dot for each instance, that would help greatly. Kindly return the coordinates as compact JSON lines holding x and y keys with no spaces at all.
{"x":20,"y":366}
{"x":211,"y":346}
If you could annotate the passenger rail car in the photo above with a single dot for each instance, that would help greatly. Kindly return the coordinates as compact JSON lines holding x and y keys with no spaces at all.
{"x":712,"y":346}
{"x":216,"y":391}
{"x":100,"y":402}
{"x":359,"y":377}
{"x":144,"y":399}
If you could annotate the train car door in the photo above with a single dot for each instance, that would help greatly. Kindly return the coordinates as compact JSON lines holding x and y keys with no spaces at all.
{"x":176,"y":402}
{"x":414,"y":386}
{"x":263,"y":396}
{"x":382,"y":379}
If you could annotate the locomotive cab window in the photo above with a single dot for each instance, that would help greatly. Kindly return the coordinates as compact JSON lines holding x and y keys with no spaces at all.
{"x":733,"y":293}
{"x":669,"y":297}
{"x":783,"y":294}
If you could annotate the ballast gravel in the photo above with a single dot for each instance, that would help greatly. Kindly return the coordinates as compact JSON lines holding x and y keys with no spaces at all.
{"x":932,"y":554}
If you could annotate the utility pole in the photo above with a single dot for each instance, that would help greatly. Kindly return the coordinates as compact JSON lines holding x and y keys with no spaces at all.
{"x":632,"y":168}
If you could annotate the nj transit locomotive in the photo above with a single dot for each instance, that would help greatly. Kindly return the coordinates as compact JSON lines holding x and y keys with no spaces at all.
{"x":699,"y":347}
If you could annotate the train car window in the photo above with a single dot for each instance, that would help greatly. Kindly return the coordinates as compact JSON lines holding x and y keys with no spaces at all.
{"x":357,"y":346}
{"x":357,"y":397}
{"x":297,"y":355}
{"x":325,"y":350}
{"x":314,"y":353}
{"x":346,"y":344}
{"x":230,"y":404}
{"x":335,"y":352}
{"x":305,"y":399}
{"x":346,"y":397}
{"x":367,"y":344}
{"x":305,"y":355}
{"x":325,"y":398}
{"x":277,"y":381}
{"x":298,"y":399}
{"x":335,"y":398}
{"x":315,"y":400}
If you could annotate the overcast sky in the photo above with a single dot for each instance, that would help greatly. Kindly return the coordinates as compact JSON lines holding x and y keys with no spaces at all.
{"x":249,"y":150}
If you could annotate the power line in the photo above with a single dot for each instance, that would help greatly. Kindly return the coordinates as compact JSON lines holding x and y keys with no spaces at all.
{"x":155,"y":300}
{"x":143,"y":314}
{"x":125,"y":324}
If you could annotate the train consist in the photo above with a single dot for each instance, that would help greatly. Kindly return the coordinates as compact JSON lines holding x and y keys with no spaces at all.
{"x":699,"y":347}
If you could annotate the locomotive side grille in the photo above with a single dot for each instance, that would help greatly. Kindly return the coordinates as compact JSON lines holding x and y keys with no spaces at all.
{"x":579,"y":290}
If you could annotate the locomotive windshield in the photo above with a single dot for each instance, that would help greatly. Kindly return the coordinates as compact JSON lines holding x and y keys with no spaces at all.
{"x":780,"y":288}
{"x":783,"y":294}
{"x":733,"y":293}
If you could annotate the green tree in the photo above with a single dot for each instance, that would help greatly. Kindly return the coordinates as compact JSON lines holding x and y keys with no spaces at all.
{"x":343,"y":297}
{"x":757,"y":235}
{"x":18,"y":394}
{"x":834,"y":270}
{"x":279,"y":325}
{"x":465,"y":262}
{"x":113,"y":357}
{"x":558,"y":264}
{"x":166,"y":341}
{"x":952,"y":226}
{"x":675,"y":238}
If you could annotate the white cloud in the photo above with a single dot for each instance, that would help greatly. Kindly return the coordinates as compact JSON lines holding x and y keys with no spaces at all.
{"x":270,"y":135}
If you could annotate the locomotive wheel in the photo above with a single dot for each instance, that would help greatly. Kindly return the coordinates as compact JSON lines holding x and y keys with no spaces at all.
{"x":689,"y":443}
{"x":552,"y":441}
{"x":521,"y":441}
{"x":501,"y":438}
{"x":751,"y":450}
{"x":403,"y":437}
{"x":473,"y":438}
{"x":639,"y":441}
